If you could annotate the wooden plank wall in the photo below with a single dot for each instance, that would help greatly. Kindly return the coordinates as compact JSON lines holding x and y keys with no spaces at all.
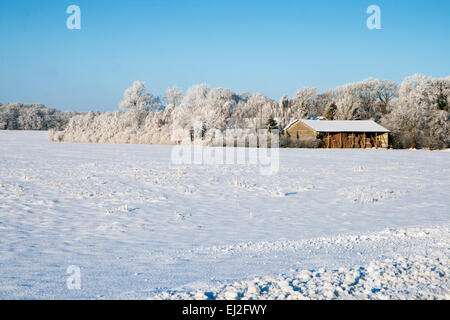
{"x":354,"y":140}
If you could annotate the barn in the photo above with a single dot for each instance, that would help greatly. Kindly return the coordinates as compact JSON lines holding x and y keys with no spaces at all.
{"x":340,"y":133}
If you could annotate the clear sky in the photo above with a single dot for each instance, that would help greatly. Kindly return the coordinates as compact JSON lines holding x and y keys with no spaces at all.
{"x":273,"y":47}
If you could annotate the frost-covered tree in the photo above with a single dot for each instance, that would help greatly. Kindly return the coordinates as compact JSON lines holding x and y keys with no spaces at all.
{"x":284,"y":112}
{"x":174,"y":96}
{"x":258,"y":109}
{"x":415,"y":118}
{"x":18,"y":116}
{"x":304,"y":103}
{"x":385,"y":91}
{"x":363,"y":100}
{"x":203,"y":104}
{"x":137,"y":97}
{"x":443,"y":89}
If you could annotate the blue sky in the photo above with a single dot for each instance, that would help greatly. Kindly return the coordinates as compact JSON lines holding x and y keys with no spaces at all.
{"x":272,"y":47}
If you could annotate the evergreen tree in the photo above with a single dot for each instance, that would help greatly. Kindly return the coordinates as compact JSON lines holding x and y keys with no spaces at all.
{"x":271,"y":124}
{"x":330,"y":112}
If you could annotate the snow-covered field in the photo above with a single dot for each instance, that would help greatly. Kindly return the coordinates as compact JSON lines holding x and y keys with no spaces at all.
{"x":330,"y":224}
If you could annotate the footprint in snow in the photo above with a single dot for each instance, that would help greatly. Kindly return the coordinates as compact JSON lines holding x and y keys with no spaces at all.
{"x":180,"y":216}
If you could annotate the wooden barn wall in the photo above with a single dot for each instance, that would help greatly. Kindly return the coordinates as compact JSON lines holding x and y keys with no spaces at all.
{"x":354,"y":140}
{"x":301,"y":131}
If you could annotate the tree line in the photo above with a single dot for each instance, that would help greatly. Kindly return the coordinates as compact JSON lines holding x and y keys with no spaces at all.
{"x":416,"y":111}
{"x":19,"y":116}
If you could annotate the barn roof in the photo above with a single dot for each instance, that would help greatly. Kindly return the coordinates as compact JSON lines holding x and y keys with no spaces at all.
{"x":344,"y":126}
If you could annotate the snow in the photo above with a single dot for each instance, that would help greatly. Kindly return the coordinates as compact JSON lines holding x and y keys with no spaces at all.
{"x":345,"y":126}
{"x":340,"y":224}
{"x":422,"y":276}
